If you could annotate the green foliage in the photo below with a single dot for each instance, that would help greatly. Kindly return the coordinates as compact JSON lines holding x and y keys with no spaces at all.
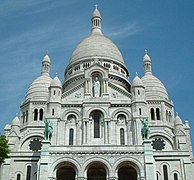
{"x":4,"y":149}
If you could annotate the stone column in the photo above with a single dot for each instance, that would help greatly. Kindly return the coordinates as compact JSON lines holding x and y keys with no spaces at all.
{"x":163,"y":112}
{"x":44,"y":160}
{"x":150,"y":168}
{"x":105,"y":132}
{"x":84,"y":132}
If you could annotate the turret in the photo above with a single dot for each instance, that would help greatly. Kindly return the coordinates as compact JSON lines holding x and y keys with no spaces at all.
{"x":46,"y":63}
{"x":180,"y":135}
{"x":138,"y":90}
{"x":15,"y":126}
{"x":139,"y":108}
{"x":96,"y":21}
{"x":147,"y":63}
{"x":54,"y":102}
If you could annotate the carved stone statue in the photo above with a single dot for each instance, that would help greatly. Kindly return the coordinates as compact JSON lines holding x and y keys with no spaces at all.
{"x":145,"y":128}
{"x":96,"y":87}
{"x":48,"y":131}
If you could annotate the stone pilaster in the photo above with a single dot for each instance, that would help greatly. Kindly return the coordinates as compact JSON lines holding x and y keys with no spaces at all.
{"x":150,"y":168}
{"x":44,"y":160}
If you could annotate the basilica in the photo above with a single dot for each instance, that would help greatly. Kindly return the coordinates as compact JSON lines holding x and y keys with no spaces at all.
{"x":98,"y":124}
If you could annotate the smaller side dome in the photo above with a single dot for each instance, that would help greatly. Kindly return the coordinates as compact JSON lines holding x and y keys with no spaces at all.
{"x":16,"y":121}
{"x":7,"y":127}
{"x":56,"y":82}
{"x":154,"y":88}
{"x":137,"y":81}
{"x":39,"y":87}
{"x":177,"y":120}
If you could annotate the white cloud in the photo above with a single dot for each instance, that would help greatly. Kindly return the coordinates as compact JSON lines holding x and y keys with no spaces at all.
{"x":124,"y":30}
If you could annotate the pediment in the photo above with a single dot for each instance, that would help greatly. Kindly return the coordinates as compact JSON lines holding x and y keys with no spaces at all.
{"x":75,"y":93}
{"x":117,"y":92}
{"x":180,"y":132}
{"x":13,"y":134}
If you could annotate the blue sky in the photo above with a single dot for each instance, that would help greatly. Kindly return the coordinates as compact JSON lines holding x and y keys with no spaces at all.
{"x":29,"y":28}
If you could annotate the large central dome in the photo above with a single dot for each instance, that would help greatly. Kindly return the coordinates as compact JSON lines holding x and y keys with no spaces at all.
{"x":96,"y":45}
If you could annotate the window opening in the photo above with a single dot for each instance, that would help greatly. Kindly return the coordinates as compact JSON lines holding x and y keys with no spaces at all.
{"x":35,"y":114}
{"x":26,"y":116}
{"x":175,"y":176}
{"x":139,"y":111}
{"x":157,"y":176}
{"x":71,"y":136}
{"x":23,"y":117}
{"x":170,"y":116}
{"x":122,"y":136}
{"x":41,"y":114}
{"x":18,"y":176}
{"x":96,"y":126}
{"x":166,"y":115}
{"x":28,"y":174}
{"x":152,"y":114}
{"x":158,"y":113}
{"x":165,"y":171}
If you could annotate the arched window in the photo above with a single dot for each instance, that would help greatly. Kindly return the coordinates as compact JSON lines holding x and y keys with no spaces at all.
{"x":41,"y":114}
{"x":96,"y":117}
{"x":165,"y":172}
{"x":53,"y":112}
{"x":122,"y":136}
{"x":35,"y":114}
{"x":28,"y":173}
{"x":96,"y":126}
{"x":138,"y":92}
{"x":169,"y":114}
{"x":23,"y":114}
{"x":54,"y":92}
{"x":158,"y":113}
{"x":26,"y":116}
{"x":152,"y":114}
{"x":18,"y":177}
{"x":71,"y":136}
{"x":157,"y":176}
{"x":175,"y":176}
{"x":166,"y":115}
{"x":139,"y":111}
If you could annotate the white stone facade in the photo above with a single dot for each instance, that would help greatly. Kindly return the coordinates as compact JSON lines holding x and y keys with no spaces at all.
{"x":96,"y":117}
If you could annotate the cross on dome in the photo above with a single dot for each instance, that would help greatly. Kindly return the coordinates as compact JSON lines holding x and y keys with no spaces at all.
{"x":96,"y":6}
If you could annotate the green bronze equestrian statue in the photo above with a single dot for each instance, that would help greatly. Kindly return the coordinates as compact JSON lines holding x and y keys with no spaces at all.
{"x":48,"y":130}
{"x":145,"y":128}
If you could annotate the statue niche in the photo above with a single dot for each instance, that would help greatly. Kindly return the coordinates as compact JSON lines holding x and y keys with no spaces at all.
{"x":96,"y":88}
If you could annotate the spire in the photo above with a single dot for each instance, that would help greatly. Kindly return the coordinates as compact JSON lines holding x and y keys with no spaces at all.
{"x":96,"y":21}
{"x":46,"y":63}
{"x":147,"y":63}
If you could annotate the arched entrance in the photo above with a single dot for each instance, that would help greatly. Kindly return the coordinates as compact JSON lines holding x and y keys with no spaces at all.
{"x":96,"y":171}
{"x":127,"y":172}
{"x":66,"y":171}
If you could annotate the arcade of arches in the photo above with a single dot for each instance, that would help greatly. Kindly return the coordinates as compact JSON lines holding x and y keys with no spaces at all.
{"x":96,"y":171}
